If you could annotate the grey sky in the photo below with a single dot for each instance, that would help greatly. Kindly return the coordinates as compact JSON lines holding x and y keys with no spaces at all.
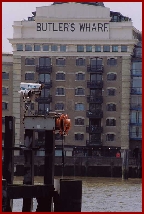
{"x":17,"y":11}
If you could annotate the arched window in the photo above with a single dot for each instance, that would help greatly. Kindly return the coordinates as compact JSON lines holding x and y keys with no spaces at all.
{"x":112,"y":61}
{"x":111,"y":107}
{"x":111,"y":122}
{"x":111,"y":76}
{"x":79,"y":121}
{"x":79,"y":91}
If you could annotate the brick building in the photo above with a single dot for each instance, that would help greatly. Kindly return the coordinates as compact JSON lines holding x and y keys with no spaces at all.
{"x":84,"y":54}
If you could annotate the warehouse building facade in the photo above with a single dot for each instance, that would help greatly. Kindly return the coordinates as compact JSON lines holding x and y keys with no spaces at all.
{"x":83,"y":53}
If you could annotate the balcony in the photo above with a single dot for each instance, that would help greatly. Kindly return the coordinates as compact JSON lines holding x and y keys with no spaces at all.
{"x":46,"y":84}
{"x":96,"y":142}
{"x":94,"y":69}
{"x":94,"y":99}
{"x":134,"y":136}
{"x":94,"y":129}
{"x":41,"y":112}
{"x":136,"y":91}
{"x":44,"y":69}
{"x":44,"y":99}
{"x":95,"y":114}
{"x":136,"y":72}
{"x":94,"y":84}
{"x":135,"y":106}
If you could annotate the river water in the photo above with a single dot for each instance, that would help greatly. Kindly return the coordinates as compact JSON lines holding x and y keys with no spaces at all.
{"x":101,"y":194}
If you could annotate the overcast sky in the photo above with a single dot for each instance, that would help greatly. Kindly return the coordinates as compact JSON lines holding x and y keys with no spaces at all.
{"x":17,"y":11}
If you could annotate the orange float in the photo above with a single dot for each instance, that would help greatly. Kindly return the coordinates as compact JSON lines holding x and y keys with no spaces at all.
{"x":63,"y":124}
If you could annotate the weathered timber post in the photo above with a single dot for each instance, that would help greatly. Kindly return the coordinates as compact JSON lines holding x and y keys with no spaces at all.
{"x":8,"y":165}
{"x":4,"y":194}
{"x":45,"y":204}
{"x":125,"y":163}
{"x":28,"y":168}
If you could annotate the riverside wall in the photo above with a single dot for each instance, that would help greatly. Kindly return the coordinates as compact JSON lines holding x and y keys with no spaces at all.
{"x":83,"y":166}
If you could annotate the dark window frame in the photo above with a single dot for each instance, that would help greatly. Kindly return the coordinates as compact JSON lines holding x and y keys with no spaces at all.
{"x":29,"y":76}
{"x":111,"y":107}
{"x":5,"y":76}
{"x":79,"y":91}
{"x":80,"y":62}
{"x":19,"y":47}
{"x":111,"y":77}
{"x":79,"y":121}
{"x":110,"y":137}
{"x":29,"y":61}
{"x":79,"y":136}
{"x":60,"y":91}
{"x":28,"y":47}
{"x":60,"y":61}
{"x":37,"y":47}
{"x":111,"y":122}
{"x":59,"y":106}
{"x":80,"y":76}
{"x":112,"y":62}
{"x":111,"y":91}
{"x":80,"y":48}
{"x":106,"y":48}
{"x":60,"y":76}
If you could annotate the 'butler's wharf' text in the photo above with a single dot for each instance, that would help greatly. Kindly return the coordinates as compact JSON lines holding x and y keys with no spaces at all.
{"x":71,"y":27}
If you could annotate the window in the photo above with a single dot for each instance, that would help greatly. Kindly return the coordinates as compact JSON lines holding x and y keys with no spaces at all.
{"x":43,"y":108}
{"x":110,"y":137}
{"x":58,"y":136}
{"x":112,"y":61}
{"x":4,"y":91}
{"x":123,"y":48}
{"x":45,"y":47}
{"x":110,"y":122}
{"x":95,"y":92}
{"x":29,"y":76}
{"x":80,"y":62}
{"x":79,"y":107}
{"x":111,"y":92}
{"x":114,"y":48}
{"x":95,"y":77}
{"x":136,"y":117}
{"x":95,"y":137}
{"x":79,"y":136}
{"x":111,"y":76}
{"x":96,"y":63}
{"x":98,"y":48}
{"x":28,"y":47}
{"x":60,"y":91}
{"x":37,"y":48}
{"x":111,"y":107}
{"x":3,"y":135}
{"x":80,"y":48}
{"x":80,"y":76}
{"x":106,"y":48}
{"x":4,"y":106}
{"x":60,"y":61}
{"x":44,"y":61}
{"x":79,"y":91}
{"x":3,"y":120}
{"x":5,"y":76}
{"x":19,"y":47}
{"x":54,"y":48}
{"x":62,"y":48}
{"x":29,"y":61}
{"x":45,"y":93}
{"x":44,"y":78}
{"x":136,"y":101}
{"x":88,"y":48}
{"x":60,"y":76}
{"x":94,"y":106}
{"x":136,"y":132}
{"x":79,"y":121}
{"x":59,"y":106}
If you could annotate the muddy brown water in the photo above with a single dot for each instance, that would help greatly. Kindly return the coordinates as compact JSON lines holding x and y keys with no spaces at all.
{"x":101,"y":194}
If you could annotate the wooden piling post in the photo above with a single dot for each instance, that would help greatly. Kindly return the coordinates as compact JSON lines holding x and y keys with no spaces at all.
{"x":45,"y":204}
{"x":8,"y":164}
{"x":125,"y":163}
{"x":28,"y":168}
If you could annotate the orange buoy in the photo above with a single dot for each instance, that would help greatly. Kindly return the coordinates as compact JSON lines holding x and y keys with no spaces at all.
{"x":63,"y":124}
